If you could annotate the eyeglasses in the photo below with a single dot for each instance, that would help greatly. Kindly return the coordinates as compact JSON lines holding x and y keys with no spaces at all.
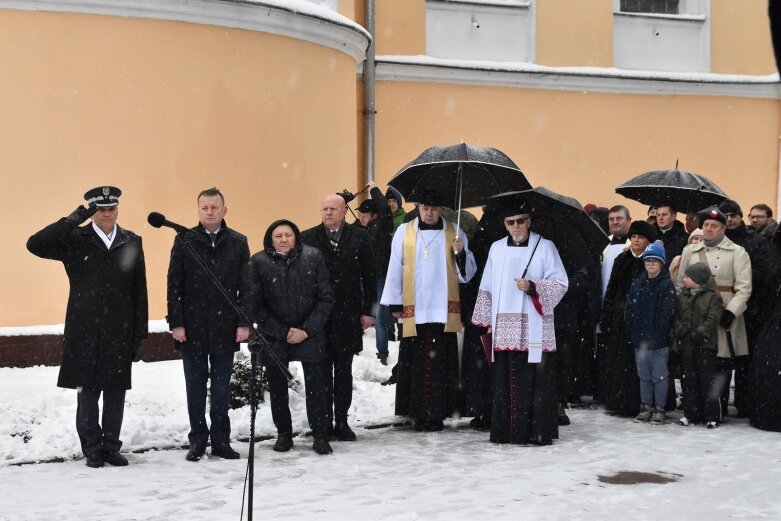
{"x":757,"y":217}
{"x":519,"y":221}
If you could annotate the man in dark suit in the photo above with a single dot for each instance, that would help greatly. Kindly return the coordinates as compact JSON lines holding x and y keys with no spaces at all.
{"x":106,"y":318}
{"x":204,"y":325}
{"x":348,"y":256}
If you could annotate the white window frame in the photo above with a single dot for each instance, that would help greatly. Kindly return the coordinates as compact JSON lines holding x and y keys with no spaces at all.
{"x":634,"y":38}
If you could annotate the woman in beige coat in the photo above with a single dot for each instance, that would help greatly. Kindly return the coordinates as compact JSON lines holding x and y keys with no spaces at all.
{"x":731,"y":270}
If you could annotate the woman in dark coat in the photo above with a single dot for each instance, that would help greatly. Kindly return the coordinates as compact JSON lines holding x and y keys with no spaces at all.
{"x":291,"y":299}
{"x":623,"y":385}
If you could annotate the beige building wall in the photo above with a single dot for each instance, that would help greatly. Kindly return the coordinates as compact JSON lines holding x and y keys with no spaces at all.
{"x":740,"y":38}
{"x":575,"y":33}
{"x":162,"y":110}
{"x":400,"y":27}
{"x":585,"y":144}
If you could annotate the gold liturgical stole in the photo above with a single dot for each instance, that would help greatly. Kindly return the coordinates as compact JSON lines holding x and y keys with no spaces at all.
{"x":453,"y":324}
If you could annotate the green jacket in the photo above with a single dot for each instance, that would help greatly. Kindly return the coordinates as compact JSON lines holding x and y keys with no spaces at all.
{"x":701,"y":312}
{"x":398,"y":218}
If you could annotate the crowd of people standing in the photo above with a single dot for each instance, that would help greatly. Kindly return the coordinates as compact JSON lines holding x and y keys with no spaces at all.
{"x":538,"y":333}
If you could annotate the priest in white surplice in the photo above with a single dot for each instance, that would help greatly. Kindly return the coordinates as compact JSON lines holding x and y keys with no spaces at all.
{"x":429,"y":258}
{"x":519,"y":310}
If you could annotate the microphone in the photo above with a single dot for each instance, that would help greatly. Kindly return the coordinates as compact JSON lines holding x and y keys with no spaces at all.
{"x":158,"y":220}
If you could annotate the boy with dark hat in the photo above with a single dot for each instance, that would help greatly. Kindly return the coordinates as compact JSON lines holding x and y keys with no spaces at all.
{"x":106,"y":317}
{"x":696,"y":329}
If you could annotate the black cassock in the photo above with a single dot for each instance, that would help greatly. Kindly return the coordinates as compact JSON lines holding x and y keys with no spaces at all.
{"x":524,"y":405}
{"x":427,"y":380}
{"x":765,"y":411}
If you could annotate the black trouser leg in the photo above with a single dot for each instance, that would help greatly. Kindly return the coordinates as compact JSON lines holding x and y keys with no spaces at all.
{"x":87,"y":425}
{"x":280,"y":411}
{"x":317,"y":404}
{"x":113,"y":413}
{"x":343,"y":386}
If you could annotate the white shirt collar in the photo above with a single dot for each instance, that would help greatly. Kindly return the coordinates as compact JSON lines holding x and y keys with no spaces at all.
{"x":107,"y":239}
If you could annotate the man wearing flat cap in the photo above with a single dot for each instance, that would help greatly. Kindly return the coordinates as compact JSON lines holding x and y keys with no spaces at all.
{"x":731,"y":268}
{"x":376,"y":217}
{"x":106,"y":317}
{"x":429,"y":258}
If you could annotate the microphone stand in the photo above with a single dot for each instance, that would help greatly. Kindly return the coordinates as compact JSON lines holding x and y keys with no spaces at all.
{"x":257,"y":344}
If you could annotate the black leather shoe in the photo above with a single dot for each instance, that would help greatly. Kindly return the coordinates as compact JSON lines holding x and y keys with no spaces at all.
{"x":114,"y":458}
{"x":95,"y":460}
{"x":434,"y":426}
{"x":196,"y":452}
{"x":224,"y":450}
{"x":284,"y":443}
{"x":321,"y":445}
{"x":343,"y":432}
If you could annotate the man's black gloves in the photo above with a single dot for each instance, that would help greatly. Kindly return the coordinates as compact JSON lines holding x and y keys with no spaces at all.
{"x":81,"y":214}
{"x":696,"y":338}
{"x":727,"y":317}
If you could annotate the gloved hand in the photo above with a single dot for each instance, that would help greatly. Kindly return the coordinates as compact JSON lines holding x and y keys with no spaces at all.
{"x":81,"y":214}
{"x":727,"y":317}
{"x":136,"y":346}
{"x":696,"y":337}
{"x":682,"y":332}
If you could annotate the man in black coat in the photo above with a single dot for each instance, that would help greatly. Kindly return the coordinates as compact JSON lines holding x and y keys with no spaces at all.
{"x":671,"y":232}
{"x":106,"y":319}
{"x":203,"y":324}
{"x":374,"y":215}
{"x":764,"y":275}
{"x":291,"y":299}
{"x":348,"y":256}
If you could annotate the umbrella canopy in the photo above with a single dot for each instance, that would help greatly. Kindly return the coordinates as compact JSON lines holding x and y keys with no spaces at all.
{"x":556,"y":217}
{"x":684,"y":191}
{"x":464,"y":174}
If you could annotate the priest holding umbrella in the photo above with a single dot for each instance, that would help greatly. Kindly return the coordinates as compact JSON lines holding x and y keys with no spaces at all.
{"x":523,"y":280}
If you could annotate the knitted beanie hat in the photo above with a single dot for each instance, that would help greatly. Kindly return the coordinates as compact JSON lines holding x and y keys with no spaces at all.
{"x":655,"y":251}
{"x":699,"y":272}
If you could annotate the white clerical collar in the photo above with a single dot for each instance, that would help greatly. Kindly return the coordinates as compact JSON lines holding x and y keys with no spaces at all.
{"x":107,"y":239}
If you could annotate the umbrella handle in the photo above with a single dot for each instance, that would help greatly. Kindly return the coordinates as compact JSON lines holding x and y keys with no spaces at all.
{"x":539,"y":238}
{"x":460,"y":181}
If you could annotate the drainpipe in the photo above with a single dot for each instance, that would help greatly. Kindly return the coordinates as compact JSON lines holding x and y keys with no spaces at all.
{"x":369,"y":110}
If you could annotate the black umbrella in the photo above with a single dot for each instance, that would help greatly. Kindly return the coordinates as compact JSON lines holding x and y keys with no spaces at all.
{"x":684,"y":191}
{"x":556,"y":217}
{"x":464,"y":174}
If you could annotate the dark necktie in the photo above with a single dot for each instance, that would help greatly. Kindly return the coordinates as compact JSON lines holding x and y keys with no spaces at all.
{"x":212,"y":238}
{"x":334,"y":240}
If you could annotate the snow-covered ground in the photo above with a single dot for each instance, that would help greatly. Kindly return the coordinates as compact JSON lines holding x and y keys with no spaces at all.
{"x":390,"y":473}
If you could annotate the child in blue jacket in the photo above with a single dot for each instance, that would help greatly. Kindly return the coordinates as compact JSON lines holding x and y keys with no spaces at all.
{"x":650,"y":308}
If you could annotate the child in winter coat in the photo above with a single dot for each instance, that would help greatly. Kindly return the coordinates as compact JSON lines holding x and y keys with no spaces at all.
{"x":650,"y":307}
{"x":696,"y":338}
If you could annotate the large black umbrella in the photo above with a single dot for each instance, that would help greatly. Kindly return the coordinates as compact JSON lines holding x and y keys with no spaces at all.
{"x":684,"y":191}
{"x":464,"y":174}
{"x":556,"y":217}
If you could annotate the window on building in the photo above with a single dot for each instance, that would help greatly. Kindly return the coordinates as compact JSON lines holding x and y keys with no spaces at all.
{"x":650,"y":6}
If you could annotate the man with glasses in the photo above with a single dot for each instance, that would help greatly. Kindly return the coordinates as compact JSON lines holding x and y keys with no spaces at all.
{"x":523,"y":281}
{"x":760,"y":218}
